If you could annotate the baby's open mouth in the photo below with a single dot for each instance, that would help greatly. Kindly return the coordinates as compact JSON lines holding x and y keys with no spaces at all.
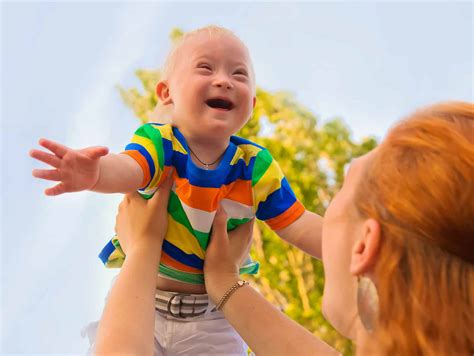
{"x":219,"y":103}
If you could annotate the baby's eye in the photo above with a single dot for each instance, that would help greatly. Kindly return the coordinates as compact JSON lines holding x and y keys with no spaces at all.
{"x":204,"y":66}
{"x":241,"y":72}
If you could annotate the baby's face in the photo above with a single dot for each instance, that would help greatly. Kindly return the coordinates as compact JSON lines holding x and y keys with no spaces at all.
{"x":211,"y":87}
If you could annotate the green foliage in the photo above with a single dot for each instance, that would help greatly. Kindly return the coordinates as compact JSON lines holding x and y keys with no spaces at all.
{"x":142,"y":104}
{"x":313,"y":157}
{"x":176,"y":34}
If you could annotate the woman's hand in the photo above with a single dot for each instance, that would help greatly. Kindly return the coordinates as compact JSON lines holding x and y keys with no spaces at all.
{"x":225,"y":254}
{"x":128,"y":321}
{"x":142,"y":223}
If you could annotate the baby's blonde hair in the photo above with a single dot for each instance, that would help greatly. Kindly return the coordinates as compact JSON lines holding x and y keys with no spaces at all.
{"x":162,"y":113}
{"x":211,"y":30}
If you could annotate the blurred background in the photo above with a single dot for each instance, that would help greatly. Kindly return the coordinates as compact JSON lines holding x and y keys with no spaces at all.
{"x":332,"y":76}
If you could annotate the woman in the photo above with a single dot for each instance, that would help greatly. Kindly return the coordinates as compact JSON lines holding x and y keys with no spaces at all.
{"x":398,"y":251}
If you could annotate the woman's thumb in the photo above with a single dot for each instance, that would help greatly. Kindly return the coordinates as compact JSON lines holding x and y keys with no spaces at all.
{"x":162,"y":195}
{"x":219,"y":226}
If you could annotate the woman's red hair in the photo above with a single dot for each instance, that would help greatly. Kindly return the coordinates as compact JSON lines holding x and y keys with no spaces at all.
{"x":420,"y":187}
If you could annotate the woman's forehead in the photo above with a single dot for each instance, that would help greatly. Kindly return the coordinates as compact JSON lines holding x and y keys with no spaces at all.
{"x":357,"y":165}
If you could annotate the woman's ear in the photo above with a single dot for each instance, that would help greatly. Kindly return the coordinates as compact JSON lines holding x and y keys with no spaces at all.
{"x":365,"y":250}
{"x":254,"y":101}
{"x":163,"y":92}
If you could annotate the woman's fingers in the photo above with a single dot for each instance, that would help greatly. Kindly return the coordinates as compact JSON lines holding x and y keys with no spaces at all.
{"x":220,"y":220}
{"x":132,"y":198}
{"x":123,"y":203}
{"x":116,"y":223}
{"x":244,"y":231}
{"x":162,"y":195}
{"x":48,"y":174}
{"x":240,"y":240}
{"x":168,"y":183}
{"x":47,"y":158}
{"x":58,"y":149}
{"x":219,"y":229}
{"x":242,"y":235}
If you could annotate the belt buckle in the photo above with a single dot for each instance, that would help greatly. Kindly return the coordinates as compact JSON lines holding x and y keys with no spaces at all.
{"x":170,"y":304}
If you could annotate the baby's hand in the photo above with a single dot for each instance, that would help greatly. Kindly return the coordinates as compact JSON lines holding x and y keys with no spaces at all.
{"x":76,"y":170}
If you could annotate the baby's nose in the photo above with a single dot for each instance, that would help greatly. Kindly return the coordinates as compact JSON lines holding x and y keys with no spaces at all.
{"x":223,"y":82}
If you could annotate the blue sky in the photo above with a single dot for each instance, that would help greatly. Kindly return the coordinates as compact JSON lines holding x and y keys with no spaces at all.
{"x":370,"y":63}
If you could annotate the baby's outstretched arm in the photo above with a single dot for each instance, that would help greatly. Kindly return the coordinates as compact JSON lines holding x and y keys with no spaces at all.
{"x":91,"y":168}
{"x":305,"y":233}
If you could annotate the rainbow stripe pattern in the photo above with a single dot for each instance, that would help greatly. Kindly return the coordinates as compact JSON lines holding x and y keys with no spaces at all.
{"x":247,"y":183}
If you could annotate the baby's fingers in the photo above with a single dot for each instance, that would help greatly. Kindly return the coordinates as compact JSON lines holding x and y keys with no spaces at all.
{"x":56,"y":190}
{"x":95,"y":152}
{"x":48,"y":174}
{"x":47,"y":158}
{"x":58,"y":149}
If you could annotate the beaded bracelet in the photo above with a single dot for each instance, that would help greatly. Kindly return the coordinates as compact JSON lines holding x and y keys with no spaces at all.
{"x":229,"y":292}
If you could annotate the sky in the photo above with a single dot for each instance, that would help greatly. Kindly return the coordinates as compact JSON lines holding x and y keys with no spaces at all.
{"x":369,"y":63}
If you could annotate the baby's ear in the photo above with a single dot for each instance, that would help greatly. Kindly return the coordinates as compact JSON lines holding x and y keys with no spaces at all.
{"x":163,"y":92}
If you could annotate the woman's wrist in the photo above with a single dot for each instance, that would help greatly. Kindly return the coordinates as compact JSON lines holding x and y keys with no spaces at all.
{"x":228,"y":294}
{"x":147,"y":250}
{"x":218,"y":284}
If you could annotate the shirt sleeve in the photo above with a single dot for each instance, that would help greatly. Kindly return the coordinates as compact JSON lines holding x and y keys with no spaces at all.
{"x":274,"y":200}
{"x":146,"y":147}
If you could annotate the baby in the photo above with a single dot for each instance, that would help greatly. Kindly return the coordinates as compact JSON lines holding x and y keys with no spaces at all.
{"x":208,"y":86}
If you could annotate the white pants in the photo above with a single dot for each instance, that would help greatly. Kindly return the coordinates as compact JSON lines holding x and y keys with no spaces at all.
{"x":207,"y":334}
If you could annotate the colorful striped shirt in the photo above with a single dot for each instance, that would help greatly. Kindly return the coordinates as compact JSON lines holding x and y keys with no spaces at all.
{"x":247,"y":183}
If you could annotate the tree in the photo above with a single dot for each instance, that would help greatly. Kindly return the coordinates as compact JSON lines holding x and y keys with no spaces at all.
{"x":313,"y":157}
